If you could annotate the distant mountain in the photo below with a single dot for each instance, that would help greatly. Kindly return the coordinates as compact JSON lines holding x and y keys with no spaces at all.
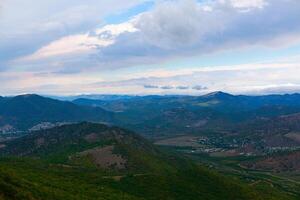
{"x":104,"y":97}
{"x":94,"y":161}
{"x":214,"y":100}
{"x":153,"y":116}
{"x":23,"y":112}
{"x":89,"y":102}
{"x":218,"y":94}
{"x":164,"y":115}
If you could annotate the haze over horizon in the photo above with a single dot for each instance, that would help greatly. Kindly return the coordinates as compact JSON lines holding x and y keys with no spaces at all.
{"x":145,"y":47}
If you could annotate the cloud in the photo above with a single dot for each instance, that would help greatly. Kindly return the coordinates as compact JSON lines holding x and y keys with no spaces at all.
{"x":199,"y":87}
{"x":58,"y":46}
{"x":27,"y":27}
{"x":276,"y":89}
{"x":81,"y":43}
{"x":182,"y":87}
{"x":151,"y":86}
{"x":186,"y":26}
{"x":167,"y":87}
{"x":181,"y":28}
{"x":252,"y":78}
{"x":249,"y":4}
{"x":249,"y":78}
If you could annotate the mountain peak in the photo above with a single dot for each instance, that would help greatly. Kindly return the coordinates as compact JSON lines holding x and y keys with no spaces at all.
{"x":218,"y":94}
{"x":28,"y":96}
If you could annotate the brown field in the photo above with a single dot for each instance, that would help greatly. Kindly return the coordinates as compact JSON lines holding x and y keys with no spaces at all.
{"x":182,"y":141}
{"x":227,"y":153}
{"x":279,"y":163}
{"x":105,"y":158}
{"x":294,"y":136}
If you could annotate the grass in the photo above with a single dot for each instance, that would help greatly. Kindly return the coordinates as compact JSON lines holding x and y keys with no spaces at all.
{"x":151,"y":174}
{"x":266,"y":182}
{"x":28,"y":178}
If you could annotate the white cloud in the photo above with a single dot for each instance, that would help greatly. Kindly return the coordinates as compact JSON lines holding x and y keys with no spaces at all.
{"x":82,"y":43}
{"x":252,"y":78}
{"x":114,"y":30}
{"x":187,"y":26}
{"x":183,"y":28}
{"x":30,"y":16}
{"x":74,"y":44}
{"x":248,"y":4}
{"x":27,"y":26}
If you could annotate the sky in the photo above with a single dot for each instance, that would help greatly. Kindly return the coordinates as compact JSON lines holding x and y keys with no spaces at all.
{"x":141,"y":47}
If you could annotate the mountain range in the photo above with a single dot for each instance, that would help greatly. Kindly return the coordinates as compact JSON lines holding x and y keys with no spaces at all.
{"x":164,"y":115}
{"x":215,"y":146}
{"x":151,"y":116}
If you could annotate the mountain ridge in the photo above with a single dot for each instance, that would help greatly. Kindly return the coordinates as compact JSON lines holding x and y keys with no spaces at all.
{"x":25,"y":111}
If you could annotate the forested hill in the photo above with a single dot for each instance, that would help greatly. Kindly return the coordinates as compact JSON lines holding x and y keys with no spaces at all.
{"x":25,"y":111}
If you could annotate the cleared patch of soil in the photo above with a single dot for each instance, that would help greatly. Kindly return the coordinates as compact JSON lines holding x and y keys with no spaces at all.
{"x":105,"y":158}
{"x":200,"y":123}
{"x":182,"y":141}
{"x":93,"y":137}
{"x":280,"y":163}
{"x":40,"y":142}
{"x":294,"y":136}
{"x":229,"y":153}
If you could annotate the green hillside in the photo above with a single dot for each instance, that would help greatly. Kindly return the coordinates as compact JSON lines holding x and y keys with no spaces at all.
{"x":62,"y":163}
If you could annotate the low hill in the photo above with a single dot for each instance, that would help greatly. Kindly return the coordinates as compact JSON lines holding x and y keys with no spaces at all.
{"x":88,"y":142}
{"x":95,"y":161}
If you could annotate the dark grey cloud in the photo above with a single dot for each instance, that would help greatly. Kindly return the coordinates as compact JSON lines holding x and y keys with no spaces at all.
{"x":166,"y":87}
{"x":182,"y":87}
{"x":199,"y":87}
{"x":151,"y":86}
